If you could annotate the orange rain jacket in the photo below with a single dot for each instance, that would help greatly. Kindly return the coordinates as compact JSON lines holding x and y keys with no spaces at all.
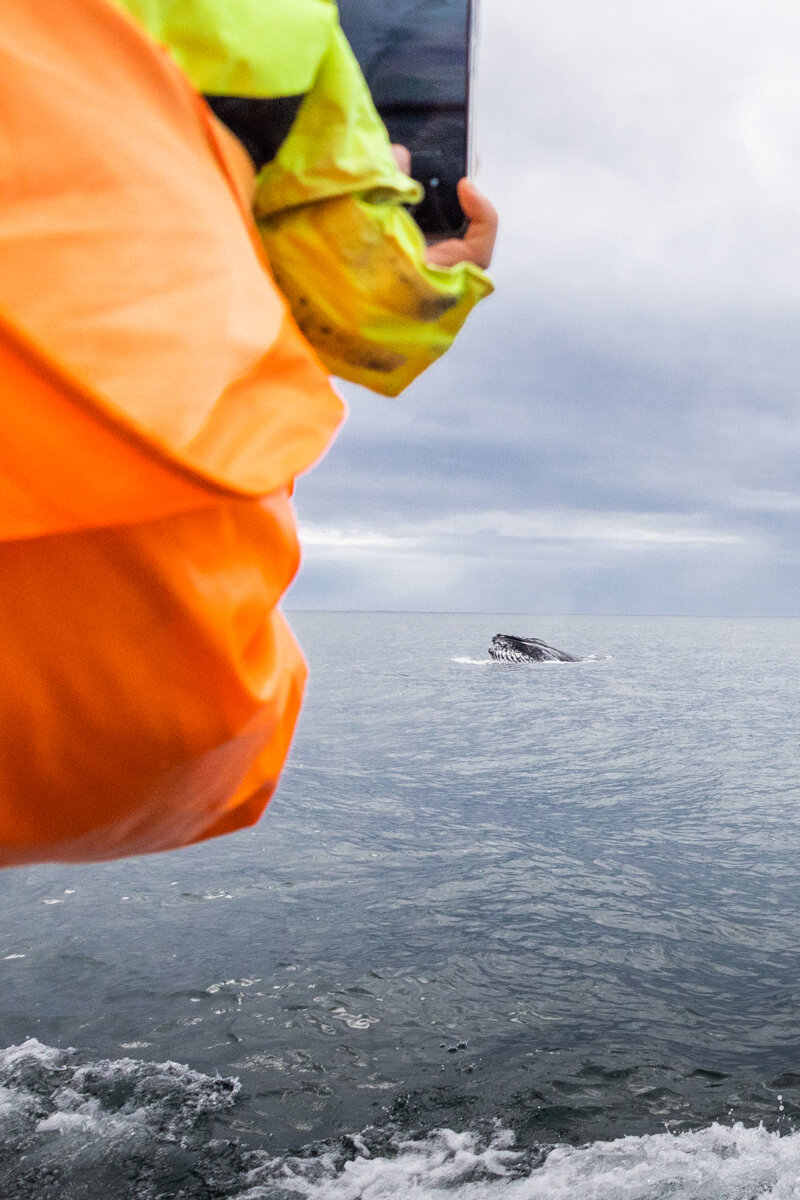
{"x":155,"y":389}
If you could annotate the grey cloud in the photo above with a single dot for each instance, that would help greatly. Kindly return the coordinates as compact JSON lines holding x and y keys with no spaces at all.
{"x":640,"y":356}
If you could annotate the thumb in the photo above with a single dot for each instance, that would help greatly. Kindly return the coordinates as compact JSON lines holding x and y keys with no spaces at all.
{"x":482,"y":217}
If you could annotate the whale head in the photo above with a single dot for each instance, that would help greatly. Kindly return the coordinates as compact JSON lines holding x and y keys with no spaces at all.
{"x":507,"y":648}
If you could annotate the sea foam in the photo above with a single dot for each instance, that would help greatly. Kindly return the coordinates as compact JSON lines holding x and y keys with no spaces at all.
{"x":716,"y":1163}
{"x":129,"y":1125}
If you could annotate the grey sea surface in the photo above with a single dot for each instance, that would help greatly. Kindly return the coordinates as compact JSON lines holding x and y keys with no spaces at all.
{"x":506,"y":929}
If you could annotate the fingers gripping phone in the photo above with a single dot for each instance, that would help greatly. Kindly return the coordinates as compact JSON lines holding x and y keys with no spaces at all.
{"x":418,"y":59}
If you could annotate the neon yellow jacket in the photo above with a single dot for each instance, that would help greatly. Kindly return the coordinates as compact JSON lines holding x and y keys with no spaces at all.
{"x":329,"y":196}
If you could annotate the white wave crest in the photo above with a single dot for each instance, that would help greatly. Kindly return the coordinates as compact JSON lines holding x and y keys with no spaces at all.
{"x":45,"y":1089}
{"x":717,"y":1163}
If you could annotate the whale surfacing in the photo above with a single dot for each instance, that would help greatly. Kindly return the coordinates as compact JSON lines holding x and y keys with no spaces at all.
{"x":507,"y":648}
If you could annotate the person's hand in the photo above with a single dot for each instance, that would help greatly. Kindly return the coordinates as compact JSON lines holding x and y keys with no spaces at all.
{"x":402,"y":156}
{"x":477,"y":244}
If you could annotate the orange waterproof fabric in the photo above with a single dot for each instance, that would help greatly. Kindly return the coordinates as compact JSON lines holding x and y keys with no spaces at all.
{"x":149,"y":686}
{"x":154,"y":388}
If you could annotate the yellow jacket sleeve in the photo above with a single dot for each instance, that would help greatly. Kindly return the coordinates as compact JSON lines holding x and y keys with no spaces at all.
{"x":331,"y":204}
{"x":345,"y":252}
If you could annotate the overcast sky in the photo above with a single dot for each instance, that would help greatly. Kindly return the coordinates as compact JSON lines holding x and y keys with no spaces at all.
{"x":617,"y":430}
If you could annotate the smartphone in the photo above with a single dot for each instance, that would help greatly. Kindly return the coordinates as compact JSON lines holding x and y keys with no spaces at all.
{"x":418,"y":59}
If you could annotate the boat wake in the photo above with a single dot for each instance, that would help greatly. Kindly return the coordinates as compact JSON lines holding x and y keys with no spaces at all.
{"x":133,"y":1129}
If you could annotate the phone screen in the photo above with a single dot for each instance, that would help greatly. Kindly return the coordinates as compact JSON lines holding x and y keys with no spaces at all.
{"x":415,"y":55}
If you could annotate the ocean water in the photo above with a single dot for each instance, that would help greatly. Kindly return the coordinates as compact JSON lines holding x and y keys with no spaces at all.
{"x":507,"y":932}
